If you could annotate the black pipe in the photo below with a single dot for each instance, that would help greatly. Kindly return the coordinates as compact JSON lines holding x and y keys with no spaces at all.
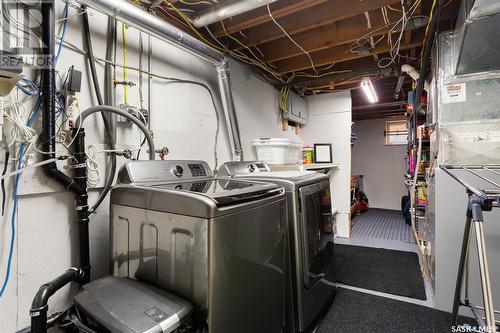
{"x":48,"y":100}
{"x":90,"y":54}
{"x":429,"y":43}
{"x":81,"y":202}
{"x":39,"y":306}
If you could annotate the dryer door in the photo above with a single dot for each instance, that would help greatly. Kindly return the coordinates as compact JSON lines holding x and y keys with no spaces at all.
{"x":317,"y":247}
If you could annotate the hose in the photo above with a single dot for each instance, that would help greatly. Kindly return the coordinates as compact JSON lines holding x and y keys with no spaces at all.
{"x":107,"y":122}
{"x":134,"y":120}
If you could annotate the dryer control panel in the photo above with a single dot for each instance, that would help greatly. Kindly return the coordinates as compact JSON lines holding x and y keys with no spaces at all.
{"x":232,"y":169}
{"x":163,"y":171}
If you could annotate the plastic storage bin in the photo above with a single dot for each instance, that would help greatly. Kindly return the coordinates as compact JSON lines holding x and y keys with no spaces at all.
{"x":277,"y":150}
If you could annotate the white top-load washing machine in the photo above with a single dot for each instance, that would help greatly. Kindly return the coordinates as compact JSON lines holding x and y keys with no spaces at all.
{"x":217,"y":243}
{"x":311,"y":283}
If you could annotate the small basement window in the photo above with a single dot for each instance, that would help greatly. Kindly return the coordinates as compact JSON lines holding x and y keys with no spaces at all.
{"x":396,"y":132}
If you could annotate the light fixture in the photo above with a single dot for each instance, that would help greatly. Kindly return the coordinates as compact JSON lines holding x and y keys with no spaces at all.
{"x":399,"y":86}
{"x":369,"y":90}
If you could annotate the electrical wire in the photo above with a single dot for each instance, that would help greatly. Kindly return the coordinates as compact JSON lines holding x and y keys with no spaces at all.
{"x":5,"y":166}
{"x":93,"y":176}
{"x":201,"y":2}
{"x":291,"y":39}
{"x":23,"y":129}
{"x":162,"y":77}
{"x":235,"y":53}
{"x":125,"y":76}
{"x":428,"y":27}
{"x":30,"y":123}
{"x":63,"y":34}
{"x":28,"y":87}
{"x":394,"y":47}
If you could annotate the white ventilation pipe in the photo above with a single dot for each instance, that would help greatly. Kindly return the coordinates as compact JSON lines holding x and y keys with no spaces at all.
{"x":414,"y":74}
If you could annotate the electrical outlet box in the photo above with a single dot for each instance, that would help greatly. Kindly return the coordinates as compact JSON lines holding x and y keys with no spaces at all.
{"x":297,"y":109}
{"x":140,"y":114}
{"x":71,"y":110}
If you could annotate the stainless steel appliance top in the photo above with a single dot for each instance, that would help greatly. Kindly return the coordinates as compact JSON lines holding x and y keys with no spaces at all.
{"x":185,"y":187}
{"x":290,"y":180}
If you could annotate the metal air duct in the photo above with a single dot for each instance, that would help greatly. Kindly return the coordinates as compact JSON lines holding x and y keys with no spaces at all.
{"x":225,"y":10}
{"x":131,"y":15}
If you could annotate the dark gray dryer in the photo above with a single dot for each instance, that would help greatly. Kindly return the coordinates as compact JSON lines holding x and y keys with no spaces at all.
{"x":311,"y":275}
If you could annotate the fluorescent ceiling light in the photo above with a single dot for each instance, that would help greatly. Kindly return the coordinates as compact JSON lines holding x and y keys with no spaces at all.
{"x":369,"y":90}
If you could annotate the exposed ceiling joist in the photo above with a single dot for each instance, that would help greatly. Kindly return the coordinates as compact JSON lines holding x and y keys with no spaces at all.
{"x":338,"y":54}
{"x":260,"y":16}
{"x":330,"y":35}
{"x":377,"y":115}
{"x":384,"y":84}
{"x":328,"y":12}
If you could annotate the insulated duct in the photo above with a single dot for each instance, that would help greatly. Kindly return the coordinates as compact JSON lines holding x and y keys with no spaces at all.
{"x":131,"y":15}
{"x":224,"y":10}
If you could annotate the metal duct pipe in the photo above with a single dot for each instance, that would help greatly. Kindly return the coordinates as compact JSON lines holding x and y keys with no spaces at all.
{"x":228,"y":105}
{"x":131,"y":15}
{"x":224,"y":10}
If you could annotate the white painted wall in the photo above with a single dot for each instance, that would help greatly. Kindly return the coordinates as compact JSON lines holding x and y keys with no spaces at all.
{"x":382,"y":166}
{"x":330,"y":122}
{"x":183,"y":120}
{"x":258,"y":110}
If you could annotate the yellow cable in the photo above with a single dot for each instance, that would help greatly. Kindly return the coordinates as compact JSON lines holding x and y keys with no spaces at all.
{"x":195,"y":3}
{"x":125,"y":76}
{"x":427,"y":29}
{"x":236,"y":54}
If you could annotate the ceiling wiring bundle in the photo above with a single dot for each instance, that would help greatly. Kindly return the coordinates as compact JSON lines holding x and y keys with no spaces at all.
{"x":398,"y":27}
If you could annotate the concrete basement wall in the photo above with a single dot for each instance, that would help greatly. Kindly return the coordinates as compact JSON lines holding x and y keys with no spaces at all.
{"x":382,"y":166}
{"x":330,"y":122}
{"x":183,"y":120}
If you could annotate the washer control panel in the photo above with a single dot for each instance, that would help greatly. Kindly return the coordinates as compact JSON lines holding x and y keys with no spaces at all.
{"x":162,"y":171}
{"x":178,"y":171}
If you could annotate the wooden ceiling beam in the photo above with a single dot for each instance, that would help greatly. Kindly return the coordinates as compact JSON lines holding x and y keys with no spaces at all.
{"x":353,"y":86}
{"x":260,"y":15}
{"x":325,"y":13}
{"x":342,"y":79}
{"x":330,"y":35}
{"x":359,"y":98}
{"x":339,"y":54}
{"x":376,"y":115}
{"x":355,"y":67}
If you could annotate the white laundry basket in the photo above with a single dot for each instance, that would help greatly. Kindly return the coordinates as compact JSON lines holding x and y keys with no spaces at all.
{"x":277,"y":150}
